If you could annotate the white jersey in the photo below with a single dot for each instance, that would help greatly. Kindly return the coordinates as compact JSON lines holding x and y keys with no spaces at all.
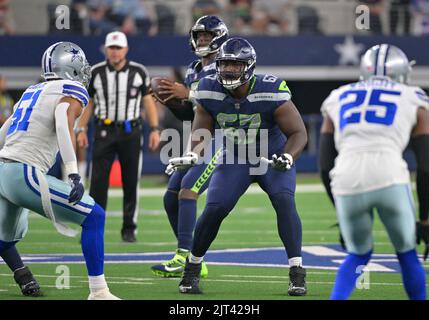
{"x":31,"y":138}
{"x":373,"y":121}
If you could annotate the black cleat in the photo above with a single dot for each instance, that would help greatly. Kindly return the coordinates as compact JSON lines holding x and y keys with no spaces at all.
{"x":191,"y":278}
{"x":28,"y":285}
{"x":297,"y":285}
{"x":128,"y":235}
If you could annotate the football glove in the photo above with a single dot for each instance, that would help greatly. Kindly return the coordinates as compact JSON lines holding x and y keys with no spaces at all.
{"x":423,"y":234}
{"x":169,"y":170}
{"x":282,"y":163}
{"x":77,"y":190}
{"x":185,"y":162}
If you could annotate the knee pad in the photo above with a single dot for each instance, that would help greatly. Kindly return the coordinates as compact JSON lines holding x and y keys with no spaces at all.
{"x":96,"y":217}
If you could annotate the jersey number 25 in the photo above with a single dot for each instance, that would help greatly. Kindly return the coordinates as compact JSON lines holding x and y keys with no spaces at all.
{"x":370,"y":110}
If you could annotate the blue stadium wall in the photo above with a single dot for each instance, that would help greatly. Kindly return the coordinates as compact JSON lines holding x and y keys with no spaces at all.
{"x":174,"y":51}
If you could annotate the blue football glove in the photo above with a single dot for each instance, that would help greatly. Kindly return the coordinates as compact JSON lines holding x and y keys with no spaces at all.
{"x":77,"y":190}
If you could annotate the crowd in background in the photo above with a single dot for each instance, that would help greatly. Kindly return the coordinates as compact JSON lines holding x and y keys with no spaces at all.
{"x":152,"y":17}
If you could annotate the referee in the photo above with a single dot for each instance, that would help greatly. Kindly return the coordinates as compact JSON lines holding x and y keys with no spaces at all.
{"x":117,"y":88}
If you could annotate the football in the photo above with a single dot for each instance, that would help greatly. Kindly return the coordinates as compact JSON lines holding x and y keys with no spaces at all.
{"x":173,"y":103}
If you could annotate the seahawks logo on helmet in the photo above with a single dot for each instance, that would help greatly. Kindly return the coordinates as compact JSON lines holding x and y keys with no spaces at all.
{"x":210,"y":24}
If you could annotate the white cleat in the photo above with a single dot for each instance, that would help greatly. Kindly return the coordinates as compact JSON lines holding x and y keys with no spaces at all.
{"x":103,"y":294}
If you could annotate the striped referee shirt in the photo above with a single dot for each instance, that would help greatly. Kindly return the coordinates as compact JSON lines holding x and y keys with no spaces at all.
{"x":117,"y":94}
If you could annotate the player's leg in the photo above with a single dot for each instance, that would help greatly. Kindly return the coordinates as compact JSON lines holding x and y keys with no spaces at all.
{"x":280,"y":187}
{"x":21,"y":273}
{"x":13,"y":226}
{"x":103,"y":154}
{"x":396,"y":210}
{"x":173,"y":267}
{"x":236,"y":179}
{"x":131,"y":159}
{"x":26,"y":192}
{"x":354,"y":213}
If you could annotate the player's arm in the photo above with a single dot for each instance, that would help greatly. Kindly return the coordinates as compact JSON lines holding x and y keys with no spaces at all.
{"x":66,"y":113}
{"x":290,"y":123}
{"x":420,"y":146}
{"x":327,"y":154}
{"x":152,"y":118}
{"x":202,"y":121}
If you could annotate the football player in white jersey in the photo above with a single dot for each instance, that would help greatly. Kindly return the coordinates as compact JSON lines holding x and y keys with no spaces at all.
{"x":40,"y":126}
{"x":370,"y":123}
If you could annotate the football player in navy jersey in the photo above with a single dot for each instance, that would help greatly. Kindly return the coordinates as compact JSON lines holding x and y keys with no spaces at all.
{"x":237,"y":100}
{"x":184,"y":186}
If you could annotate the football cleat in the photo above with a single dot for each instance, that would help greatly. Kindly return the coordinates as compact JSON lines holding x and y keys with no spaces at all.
{"x":103,"y":294}
{"x":171,"y":268}
{"x":297,"y":285}
{"x":28,"y":285}
{"x":174,"y":268}
{"x":191,"y":279}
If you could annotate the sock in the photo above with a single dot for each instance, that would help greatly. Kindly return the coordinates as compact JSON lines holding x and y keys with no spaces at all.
{"x":413,"y":275}
{"x":171,"y":206}
{"x":345,"y":282}
{"x":288,"y":223}
{"x":186,"y":224}
{"x":194,"y":259}
{"x":97,"y":283}
{"x":12,"y":259}
{"x":295,"y":262}
{"x":93,"y":241}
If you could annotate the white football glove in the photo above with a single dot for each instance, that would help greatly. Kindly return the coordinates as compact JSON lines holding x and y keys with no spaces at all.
{"x":182,"y":163}
{"x":282,"y":163}
{"x":169,"y":170}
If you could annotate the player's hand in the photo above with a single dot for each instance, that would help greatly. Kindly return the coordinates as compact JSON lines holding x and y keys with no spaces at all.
{"x":154,"y":140}
{"x":423,"y":234}
{"x":170,"y":169}
{"x":185,"y":162}
{"x":77,"y":190}
{"x":282,"y":163}
{"x":174,"y":89}
{"x":82,"y":140}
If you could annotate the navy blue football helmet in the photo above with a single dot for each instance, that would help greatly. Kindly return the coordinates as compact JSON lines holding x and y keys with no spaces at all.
{"x":211,"y":24}
{"x":240,"y":50}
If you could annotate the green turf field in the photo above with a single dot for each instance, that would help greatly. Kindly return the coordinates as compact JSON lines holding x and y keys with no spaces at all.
{"x":252,"y":224}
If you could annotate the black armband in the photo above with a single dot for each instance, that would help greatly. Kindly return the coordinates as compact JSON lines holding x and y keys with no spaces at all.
{"x":185,"y":113}
{"x":420,"y":145}
{"x":327,"y":155}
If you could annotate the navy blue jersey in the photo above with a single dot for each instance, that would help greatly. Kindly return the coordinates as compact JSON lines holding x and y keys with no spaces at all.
{"x":255,"y":111}
{"x":196,"y":72}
